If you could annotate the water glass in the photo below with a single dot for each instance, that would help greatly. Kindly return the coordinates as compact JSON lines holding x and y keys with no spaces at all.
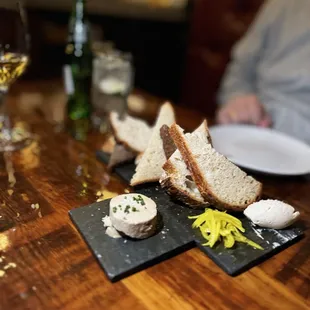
{"x":112,"y":83}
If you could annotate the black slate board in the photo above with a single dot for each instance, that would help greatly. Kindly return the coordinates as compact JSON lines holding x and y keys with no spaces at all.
{"x":122,"y":257}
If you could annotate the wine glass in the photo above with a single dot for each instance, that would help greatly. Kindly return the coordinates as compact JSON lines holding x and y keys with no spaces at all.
{"x":14,"y":58}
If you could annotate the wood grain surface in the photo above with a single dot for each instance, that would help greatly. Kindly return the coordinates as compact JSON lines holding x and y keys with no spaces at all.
{"x":45,"y":264}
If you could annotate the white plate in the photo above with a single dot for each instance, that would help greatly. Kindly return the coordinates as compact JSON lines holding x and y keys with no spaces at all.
{"x":263,"y":150}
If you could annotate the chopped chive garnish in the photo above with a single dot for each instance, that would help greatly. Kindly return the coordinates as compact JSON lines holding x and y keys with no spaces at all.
{"x":139,"y":200}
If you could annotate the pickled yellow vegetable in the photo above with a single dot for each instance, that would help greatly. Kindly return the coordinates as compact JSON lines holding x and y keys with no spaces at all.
{"x":218,"y":226}
{"x":229,"y":241}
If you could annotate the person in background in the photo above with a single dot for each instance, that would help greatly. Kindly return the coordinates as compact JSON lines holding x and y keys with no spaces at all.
{"x":267,"y":82}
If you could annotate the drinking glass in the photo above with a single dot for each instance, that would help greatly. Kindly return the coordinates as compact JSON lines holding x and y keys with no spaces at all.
{"x":14,"y":58}
{"x":112,"y":83}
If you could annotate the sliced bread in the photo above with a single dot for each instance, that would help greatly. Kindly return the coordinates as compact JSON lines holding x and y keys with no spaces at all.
{"x":168,"y":144}
{"x":120,"y":155}
{"x":149,"y":168}
{"x":177,"y":180}
{"x":139,"y":156}
{"x":219,"y":181}
{"x":133,"y":132}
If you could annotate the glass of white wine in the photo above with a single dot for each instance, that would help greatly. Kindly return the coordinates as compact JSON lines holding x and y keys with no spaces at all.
{"x":14,"y":58}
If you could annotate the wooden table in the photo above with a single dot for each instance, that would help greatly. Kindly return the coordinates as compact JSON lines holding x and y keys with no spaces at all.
{"x":48,"y":265}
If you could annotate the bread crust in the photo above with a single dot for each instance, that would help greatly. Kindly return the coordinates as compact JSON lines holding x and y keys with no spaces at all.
{"x":197,"y":176}
{"x":149,"y":180}
{"x":168,"y":144}
{"x":205,"y":123}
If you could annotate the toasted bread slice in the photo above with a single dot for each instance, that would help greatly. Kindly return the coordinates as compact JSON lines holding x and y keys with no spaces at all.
{"x":132,"y":132}
{"x":219,"y":181}
{"x":149,"y":168}
{"x":177,"y":180}
{"x":120,"y":155}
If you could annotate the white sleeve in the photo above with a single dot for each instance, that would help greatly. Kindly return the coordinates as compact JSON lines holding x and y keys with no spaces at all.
{"x":240,"y":75}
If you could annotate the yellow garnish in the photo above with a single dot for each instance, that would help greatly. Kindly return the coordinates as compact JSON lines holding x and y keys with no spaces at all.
{"x":217,"y":226}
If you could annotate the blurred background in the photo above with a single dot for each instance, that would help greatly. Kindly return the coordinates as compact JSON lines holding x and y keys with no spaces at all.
{"x":179,"y":47}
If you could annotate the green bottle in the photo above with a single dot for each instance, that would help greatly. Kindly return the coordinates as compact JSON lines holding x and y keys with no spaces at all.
{"x":78,"y":73}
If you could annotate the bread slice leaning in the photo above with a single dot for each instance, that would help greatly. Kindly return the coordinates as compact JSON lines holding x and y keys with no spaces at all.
{"x":219,"y":181}
{"x":134,"y":133}
{"x":177,"y":179}
{"x":149,"y":168}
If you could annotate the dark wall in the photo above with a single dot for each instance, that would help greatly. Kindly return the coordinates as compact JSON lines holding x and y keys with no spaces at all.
{"x":158,"y":51}
{"x":214,"y":27}
{"x":158,"y":48}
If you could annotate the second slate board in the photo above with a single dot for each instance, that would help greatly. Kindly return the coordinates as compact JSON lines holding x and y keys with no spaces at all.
{"x":176,"y":235}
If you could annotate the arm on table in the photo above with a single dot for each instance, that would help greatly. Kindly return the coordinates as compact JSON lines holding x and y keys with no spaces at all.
{"x":237,"y":93}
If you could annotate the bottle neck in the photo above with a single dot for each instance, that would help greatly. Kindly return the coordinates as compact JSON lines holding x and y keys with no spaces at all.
{"x":78,"y":27}
{"x":79,"y":10}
